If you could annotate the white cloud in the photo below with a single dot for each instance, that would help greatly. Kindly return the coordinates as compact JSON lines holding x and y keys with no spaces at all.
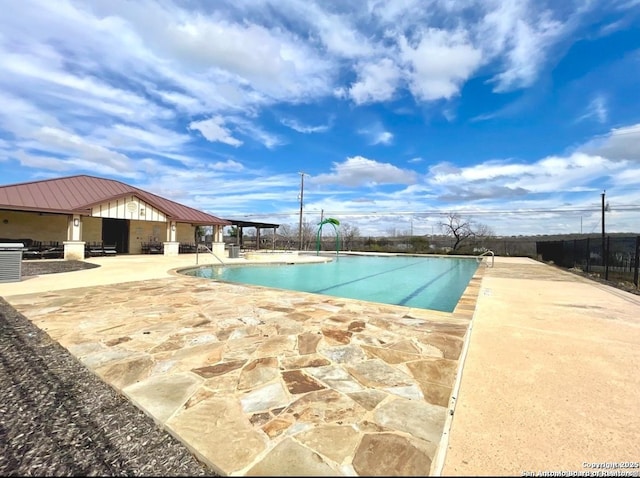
{"x":64,"y":142}
{"x":305,"y":129}
{"x":597,"y":109}
{"x":252,"y":130}
{"x":213,"y":130}
{"x":383,"y":138}
{"x":619,"y":144}
{"x":338,"y":33}
{"x":21,"y":117}
{"x":439,"y":63}
{"x":519,"y":37}
{"x":152,"y":139}
{"x":377,"y":134}
{"x":73,"y":163}
{"x":397,"y":11}
{"x":501,"y":179}
{"x":228,"y":165}
{"x":376,"y":82}
{"x":358,"y":170}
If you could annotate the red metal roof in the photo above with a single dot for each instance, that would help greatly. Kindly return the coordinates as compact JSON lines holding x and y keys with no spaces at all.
{"x":77,"y":194}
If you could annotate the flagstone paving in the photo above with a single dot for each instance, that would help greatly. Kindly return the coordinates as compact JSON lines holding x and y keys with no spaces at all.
{"x":256,"y":381}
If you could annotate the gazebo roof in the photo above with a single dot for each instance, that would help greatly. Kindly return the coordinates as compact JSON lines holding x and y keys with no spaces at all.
{"x":258,"y":225}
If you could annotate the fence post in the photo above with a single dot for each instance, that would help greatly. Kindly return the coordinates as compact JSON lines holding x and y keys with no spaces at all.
{"x":606,"y":263}
{"x":636,"y":264}
{"x":588,"y":255}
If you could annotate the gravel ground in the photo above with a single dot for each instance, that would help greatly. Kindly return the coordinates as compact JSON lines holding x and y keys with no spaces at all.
{"x":52,"y":266}
{"x":59,"y":419}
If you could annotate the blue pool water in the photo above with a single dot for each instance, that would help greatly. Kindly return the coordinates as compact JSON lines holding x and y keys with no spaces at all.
{"x":424,"y":282}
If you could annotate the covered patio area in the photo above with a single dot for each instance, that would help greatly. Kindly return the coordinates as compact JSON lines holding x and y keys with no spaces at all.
{"x":85,"y":216}
{"x":259,"y":242}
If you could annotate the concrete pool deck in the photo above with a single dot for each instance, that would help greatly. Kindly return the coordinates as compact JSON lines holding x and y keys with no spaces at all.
{"x":262,"y":382}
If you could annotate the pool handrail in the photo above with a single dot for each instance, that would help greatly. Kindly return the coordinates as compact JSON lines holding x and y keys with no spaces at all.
{"x":210,"y":252}
{"x":485,"y":253}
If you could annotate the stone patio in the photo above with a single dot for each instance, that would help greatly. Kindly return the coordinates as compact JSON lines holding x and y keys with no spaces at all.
{"x":257,"y":381}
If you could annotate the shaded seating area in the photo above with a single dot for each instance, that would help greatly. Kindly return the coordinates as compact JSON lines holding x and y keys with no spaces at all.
{"x":152,"y":247}
{"x":187,"y":248}
{"x":38,"y":249}
{"x":33,"y":250}
{"x":93,"y":249}
{"x":109,"y":249}
{"x":251,"y":243}
{"x":53,"y":250}
{"x":99,"y":249}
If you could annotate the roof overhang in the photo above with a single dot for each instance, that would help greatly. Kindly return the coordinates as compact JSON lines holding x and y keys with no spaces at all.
{"x":221,"y":222}
{"x":259,"y":225}
{"x":81,"y":212}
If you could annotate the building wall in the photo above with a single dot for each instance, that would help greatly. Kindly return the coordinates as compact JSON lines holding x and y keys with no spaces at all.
{"x":91,"y":229}
{"x":129,"y":207}
{"x":185,"y":232}
{"x":32,"y":225}
{"x":145,"y":231}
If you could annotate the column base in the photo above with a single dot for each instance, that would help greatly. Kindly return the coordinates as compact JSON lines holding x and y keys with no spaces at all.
{"x":74,"y":250}
{"x":171,"y":248}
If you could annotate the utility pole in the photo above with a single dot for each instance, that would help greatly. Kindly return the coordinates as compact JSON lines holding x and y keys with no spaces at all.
{"x":301,"y":202}
{"x":603,"y":247}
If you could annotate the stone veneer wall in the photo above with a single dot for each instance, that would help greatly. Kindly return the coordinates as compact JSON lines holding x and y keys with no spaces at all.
{"x":91,"y":229}
{"x":185,"y":232}
{"x":32,"y":225}
{"x":146,"y":231}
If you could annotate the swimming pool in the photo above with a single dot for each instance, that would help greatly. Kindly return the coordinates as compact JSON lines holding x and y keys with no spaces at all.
{"x":424,"y":282}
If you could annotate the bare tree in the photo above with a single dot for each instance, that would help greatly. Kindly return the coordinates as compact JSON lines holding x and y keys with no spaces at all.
{"x":483,"y":235}
{"x":308,"y":234}
{"x":289,"y":235}
{"x":347,"y":234}
{"x":458,"y":227}
{"x":286,"y":230}
{"x":483,"y":232}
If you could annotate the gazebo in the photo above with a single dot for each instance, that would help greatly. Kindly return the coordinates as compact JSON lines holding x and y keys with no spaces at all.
{"x":258,"y":226}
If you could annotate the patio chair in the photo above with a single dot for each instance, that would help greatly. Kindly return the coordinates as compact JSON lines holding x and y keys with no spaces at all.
{"x":95,"y":249}
{"x":55,"y":252}
{"x":110,"y":249}
{"x":156,"y":248}
{"x":33,"y":250}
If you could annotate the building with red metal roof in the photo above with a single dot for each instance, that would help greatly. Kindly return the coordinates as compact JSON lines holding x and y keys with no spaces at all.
{"x":78,"y":210}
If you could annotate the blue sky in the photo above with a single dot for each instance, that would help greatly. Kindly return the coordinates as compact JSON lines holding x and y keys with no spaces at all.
{"x":515,"y":114}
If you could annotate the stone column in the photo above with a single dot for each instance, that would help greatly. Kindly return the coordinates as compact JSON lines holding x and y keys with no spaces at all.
{"x":74,"y":246}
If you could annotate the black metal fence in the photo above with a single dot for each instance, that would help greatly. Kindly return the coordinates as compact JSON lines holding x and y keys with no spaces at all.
{"x":615,"y":258}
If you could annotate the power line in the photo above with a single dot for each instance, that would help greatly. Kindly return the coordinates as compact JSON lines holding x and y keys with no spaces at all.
{"x":439,"y":212}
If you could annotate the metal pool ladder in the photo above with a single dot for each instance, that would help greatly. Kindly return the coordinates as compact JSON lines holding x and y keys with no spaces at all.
{"x":210,"y":252}
{"x":486,"y":253}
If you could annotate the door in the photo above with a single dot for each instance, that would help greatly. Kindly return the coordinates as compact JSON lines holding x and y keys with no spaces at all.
{"x":116,"y":231}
